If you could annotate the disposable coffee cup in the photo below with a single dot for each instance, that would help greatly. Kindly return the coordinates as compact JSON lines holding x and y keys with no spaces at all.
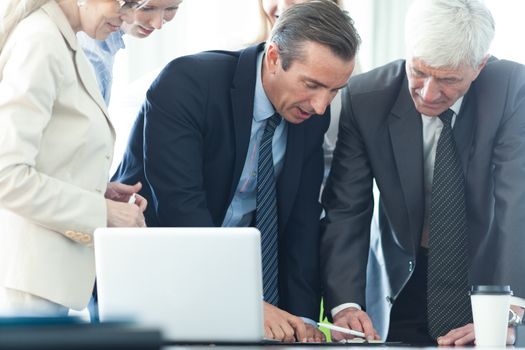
{"x":490,"y":309}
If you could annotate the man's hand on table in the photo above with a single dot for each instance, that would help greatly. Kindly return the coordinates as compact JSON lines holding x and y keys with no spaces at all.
{"x":282,"y":326}
{"x":314,"y":335}
{"x":465,"y":336}
{"x":355,"y":319}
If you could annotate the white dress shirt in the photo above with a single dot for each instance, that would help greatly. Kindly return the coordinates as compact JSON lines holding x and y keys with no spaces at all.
{"x":432,"y":127}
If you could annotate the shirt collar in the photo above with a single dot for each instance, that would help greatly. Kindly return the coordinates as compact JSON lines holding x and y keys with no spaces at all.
{"x":115,"y":42}
{"x":262,"y":107}
{"x":455,"y":107}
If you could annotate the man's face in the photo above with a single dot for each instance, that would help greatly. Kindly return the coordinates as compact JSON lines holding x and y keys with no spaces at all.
{"x":434,"y":90}
{"x":150,"y":16}
{"x":308,"y":86}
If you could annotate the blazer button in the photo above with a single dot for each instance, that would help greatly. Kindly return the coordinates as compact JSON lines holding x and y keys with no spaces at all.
{"x":85,"y":238}
{"x":69,"y":234}
{"x":410,"y":266}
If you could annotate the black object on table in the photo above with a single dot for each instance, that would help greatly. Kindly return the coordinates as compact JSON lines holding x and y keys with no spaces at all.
{"x":26,"y":333}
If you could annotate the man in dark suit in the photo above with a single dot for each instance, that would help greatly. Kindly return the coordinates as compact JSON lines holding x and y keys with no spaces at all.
{"x":235,"y":139}
{"x":443,"y":136}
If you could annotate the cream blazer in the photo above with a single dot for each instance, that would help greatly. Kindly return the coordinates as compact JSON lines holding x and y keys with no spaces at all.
{"x":56,"y":147}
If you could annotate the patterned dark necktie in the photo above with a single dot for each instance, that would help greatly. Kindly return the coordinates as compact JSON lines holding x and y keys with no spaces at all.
{"x":266,"y":212}
{"x":447,"y":285}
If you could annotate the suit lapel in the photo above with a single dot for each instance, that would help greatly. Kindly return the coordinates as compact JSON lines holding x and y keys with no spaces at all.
{"x":83,"y":67}
{"x":405,"y":128}
{"x":88,"y":79}
{"x":242,"y":97}
{"x":288,"y":181}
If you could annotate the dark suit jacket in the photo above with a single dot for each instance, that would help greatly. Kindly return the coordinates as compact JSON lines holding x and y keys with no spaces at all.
{"x":197,"y":126}
{"x":380,"y":137}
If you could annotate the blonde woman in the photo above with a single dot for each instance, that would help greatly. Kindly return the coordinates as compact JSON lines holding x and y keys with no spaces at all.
{"x":56,"y":145}
{"x":151,"y":15}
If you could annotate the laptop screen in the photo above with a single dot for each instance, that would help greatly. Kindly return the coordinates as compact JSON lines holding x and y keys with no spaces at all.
{"x":196,"y":284}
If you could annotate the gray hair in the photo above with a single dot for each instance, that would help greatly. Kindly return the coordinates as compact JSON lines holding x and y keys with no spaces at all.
{"x":14,"y":11}
{"x":449,"y":33}
{"x":319,"y":21}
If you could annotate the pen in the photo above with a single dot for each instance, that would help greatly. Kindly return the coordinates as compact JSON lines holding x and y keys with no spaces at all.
{"x":132,"y":199}
{"x":341,"y":329}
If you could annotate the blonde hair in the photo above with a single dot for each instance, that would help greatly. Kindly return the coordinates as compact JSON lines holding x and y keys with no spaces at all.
{"x":13,"y":12}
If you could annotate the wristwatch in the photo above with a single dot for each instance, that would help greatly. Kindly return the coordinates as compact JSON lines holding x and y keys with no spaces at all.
{"x":515,"y":319}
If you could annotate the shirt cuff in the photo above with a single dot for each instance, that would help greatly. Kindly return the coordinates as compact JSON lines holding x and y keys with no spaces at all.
{"x":341,"y":307}
{"x":309,"y":321}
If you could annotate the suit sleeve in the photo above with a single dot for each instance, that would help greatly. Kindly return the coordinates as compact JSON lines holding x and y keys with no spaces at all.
{"x":174,"y":129}
{"x":30,"y":81}
{"x":131,"y":168}
{"x":509,"y":189}
{"x":348,"y":202}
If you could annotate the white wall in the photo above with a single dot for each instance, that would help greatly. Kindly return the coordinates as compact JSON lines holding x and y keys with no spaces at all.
{"x":509,"y":41}
{"x":199,"y":25}
{"x":229,"y":24}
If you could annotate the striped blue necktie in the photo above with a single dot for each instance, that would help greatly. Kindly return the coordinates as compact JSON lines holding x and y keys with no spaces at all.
{"x":266,"y":212}
{"x":447,"y":285}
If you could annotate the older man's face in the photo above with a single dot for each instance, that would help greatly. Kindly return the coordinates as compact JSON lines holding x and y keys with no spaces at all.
{"x":308,"y":85}
{"x":433,"y":90}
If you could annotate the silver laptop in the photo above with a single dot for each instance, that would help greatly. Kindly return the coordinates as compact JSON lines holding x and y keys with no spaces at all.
{"x":195,"y":284}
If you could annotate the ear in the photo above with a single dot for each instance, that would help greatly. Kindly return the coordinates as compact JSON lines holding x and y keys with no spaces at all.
{"x":272,"y":57}
{"x":482,"y":65}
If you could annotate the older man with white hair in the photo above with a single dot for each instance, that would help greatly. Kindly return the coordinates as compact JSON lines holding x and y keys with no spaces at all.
{"x":443,"y":135}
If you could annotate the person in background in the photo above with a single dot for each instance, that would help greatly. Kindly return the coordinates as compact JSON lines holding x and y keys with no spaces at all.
{"x":56,"y":145}
{"x":235,"y":139}
{"x":270,"y":10}
{"x":149,"y":16}
{"x":443,"y":135}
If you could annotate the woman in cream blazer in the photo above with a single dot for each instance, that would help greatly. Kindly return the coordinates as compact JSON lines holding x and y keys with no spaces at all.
{"x":56,"y":147}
